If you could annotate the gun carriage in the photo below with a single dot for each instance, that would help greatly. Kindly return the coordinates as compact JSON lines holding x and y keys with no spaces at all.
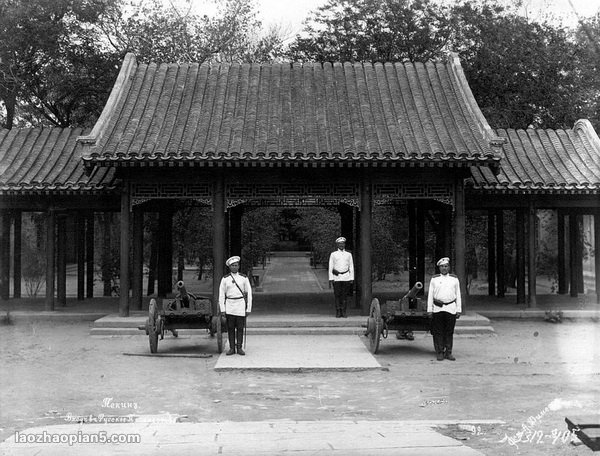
{"x":404,"y":315}
{"x":184,"y":311}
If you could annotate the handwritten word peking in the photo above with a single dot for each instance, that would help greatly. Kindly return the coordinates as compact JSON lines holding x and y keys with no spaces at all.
{"x":107,"y":402}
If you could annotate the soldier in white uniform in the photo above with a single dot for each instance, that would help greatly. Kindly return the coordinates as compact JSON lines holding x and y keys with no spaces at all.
{"x":341,"y":275}
{"x":444,"y":303}
{"x":235,"y":301}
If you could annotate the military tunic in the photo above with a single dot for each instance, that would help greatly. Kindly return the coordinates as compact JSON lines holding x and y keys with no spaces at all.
{"x":231,"y":299}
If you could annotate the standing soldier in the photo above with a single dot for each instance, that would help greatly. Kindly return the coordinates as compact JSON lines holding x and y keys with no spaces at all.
{"x":341,"y":275}
{"x":443,"y":300}
{"x":235,"y":301}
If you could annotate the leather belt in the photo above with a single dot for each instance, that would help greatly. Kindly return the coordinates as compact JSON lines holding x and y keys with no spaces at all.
{"x":239,"y":297}
{"x":442,"y":304}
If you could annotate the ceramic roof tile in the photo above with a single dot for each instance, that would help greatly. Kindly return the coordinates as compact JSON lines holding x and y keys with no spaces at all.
{"x":34,"y":160}
{"x":281,"y":113}
{"x":537,"y":160}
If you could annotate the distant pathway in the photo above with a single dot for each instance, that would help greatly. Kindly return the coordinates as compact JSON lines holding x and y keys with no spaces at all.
{"x":290,"y":275}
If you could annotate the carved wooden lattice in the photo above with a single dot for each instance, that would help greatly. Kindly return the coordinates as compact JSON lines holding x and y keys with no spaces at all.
{"x":384,"y":192}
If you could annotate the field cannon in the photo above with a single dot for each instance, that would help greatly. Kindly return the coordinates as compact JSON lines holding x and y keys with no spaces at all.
{"x":407,"y":314}
{"x":184,"y":311}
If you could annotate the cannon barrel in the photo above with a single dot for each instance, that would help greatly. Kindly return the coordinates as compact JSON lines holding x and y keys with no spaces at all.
{"x":414,"y":290}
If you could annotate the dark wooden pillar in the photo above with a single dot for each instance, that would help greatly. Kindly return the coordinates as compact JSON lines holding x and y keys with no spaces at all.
{"x":89,"y":254}
{"x":165,"y":252}
{"x":17,"y":242}
{"x":61,"y":260}
{"x":563,"y":286}
{"x":357,"y":259}
{"x":218,"y":236}
{"x":80,"y":248}
{"x":520,"y":220}
{"x":500,"y":270}
{"x":579,"y":252}
{"x":366,"y":201}
{"x":412,"y":243}
{"x":347,"y":224}
{"x":597,"y":255}
{"x":491,"y":248}
{"x":138,"y":258}
{"x":235,"y":230}
{"x":532,"y":255}
{"x":153,"y":261}
{"x":124,"y":254}
{"x":420,"y":248}
{"x":460,"y":241}
{"x":50,"y":258}
{"x":573,"y":235}
{"x":5,"y":254}
{"x":107,"y":269}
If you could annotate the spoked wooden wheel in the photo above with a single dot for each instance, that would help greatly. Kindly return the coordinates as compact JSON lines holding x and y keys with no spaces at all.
{"x":374,"y":326}
{"x":152,"y":326}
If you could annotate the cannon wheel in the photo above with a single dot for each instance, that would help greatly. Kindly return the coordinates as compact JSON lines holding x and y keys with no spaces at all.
{"x":153,"y":330}
{"x":375,"y":324}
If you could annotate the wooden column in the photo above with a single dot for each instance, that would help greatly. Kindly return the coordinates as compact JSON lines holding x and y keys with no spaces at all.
{"x":563,"y":286}
{"x":235,"y":230}
{"x":521,"y":298}
{"x":460,"y":241}
{"x":165,"y":251}
{"x":89,"y":254}
{"x":347,"y":225}
{"x":153,"y":261}
{"x":500,"y":253}
{"x":138,"y":258}
{"x":107,"y":270}
{"x":597,"y":255}
{"x":420,"y":248}
{"x":80,"y":248}
{"x":61,"y":260}
{"x":366,"y":201}
{"x":491,"y":248}
{"x":50,"y":258}
{"x":124,"y":254}
{"x":5,"y":254}
{"x":17,"y":242}
{"x":412,"y":243}
{"x":579,"y":251}
{"x":573,"y":234}
{"x":218,"y":237}
{"x":532,"y":255}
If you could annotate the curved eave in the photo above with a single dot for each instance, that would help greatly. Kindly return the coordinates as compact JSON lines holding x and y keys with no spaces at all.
{"x":41,"y":189}
{"x":309,"y":162}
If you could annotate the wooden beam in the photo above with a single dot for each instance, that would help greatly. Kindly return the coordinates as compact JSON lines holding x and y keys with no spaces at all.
{"x":460,"y":240}
{"x":50,"y":258}
{"x":500,"y":259}
{"x":61,"y":260}
{"x":520,"y":228}
{"x":124,"y":253}
{"x":80,"y":251}
{"x":573,"y":256}
{"x":138,"y":258}
{"x":491,"y":247}
{"x":366,"y":208}
{"x":17,"y":253}
{"x":218,"y":237}
{"x":563,"y":286}
{"x":5,"y":218}
{"x":532,"y":254}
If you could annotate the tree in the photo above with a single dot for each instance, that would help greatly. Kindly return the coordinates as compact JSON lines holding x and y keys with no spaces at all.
{"x":588,"y":40}
{"x":51,"y":68}
{"x":522,"y":73}
{"x":374,"y":30}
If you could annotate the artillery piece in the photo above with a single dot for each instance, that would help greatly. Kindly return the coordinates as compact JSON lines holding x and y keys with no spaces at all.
{"x":409,"y":313}
{"x":184,"y":311}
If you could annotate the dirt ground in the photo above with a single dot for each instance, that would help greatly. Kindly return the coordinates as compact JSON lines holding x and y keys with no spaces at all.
{"x":530,"y":373}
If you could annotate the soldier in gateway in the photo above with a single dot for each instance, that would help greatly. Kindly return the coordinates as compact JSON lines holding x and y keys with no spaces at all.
{"x":444,"y":302}
{"x":341,"y":275}
{"x":235,"y":301}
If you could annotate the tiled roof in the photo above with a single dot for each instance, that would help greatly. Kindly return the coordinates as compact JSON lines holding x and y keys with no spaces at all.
{"x":420,"y":114}
{"x":545,"y":161}
{"x":47,"y":160}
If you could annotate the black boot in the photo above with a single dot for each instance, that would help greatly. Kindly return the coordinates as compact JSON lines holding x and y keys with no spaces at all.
{"x":231,"y":351}
{"x":448,"y":355}
{"x":240,"y":350}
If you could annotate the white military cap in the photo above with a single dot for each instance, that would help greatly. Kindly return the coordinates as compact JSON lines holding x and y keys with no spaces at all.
{"x":442,"y":261}
{"x":340,"y":239}
{"x":233,"y":259}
